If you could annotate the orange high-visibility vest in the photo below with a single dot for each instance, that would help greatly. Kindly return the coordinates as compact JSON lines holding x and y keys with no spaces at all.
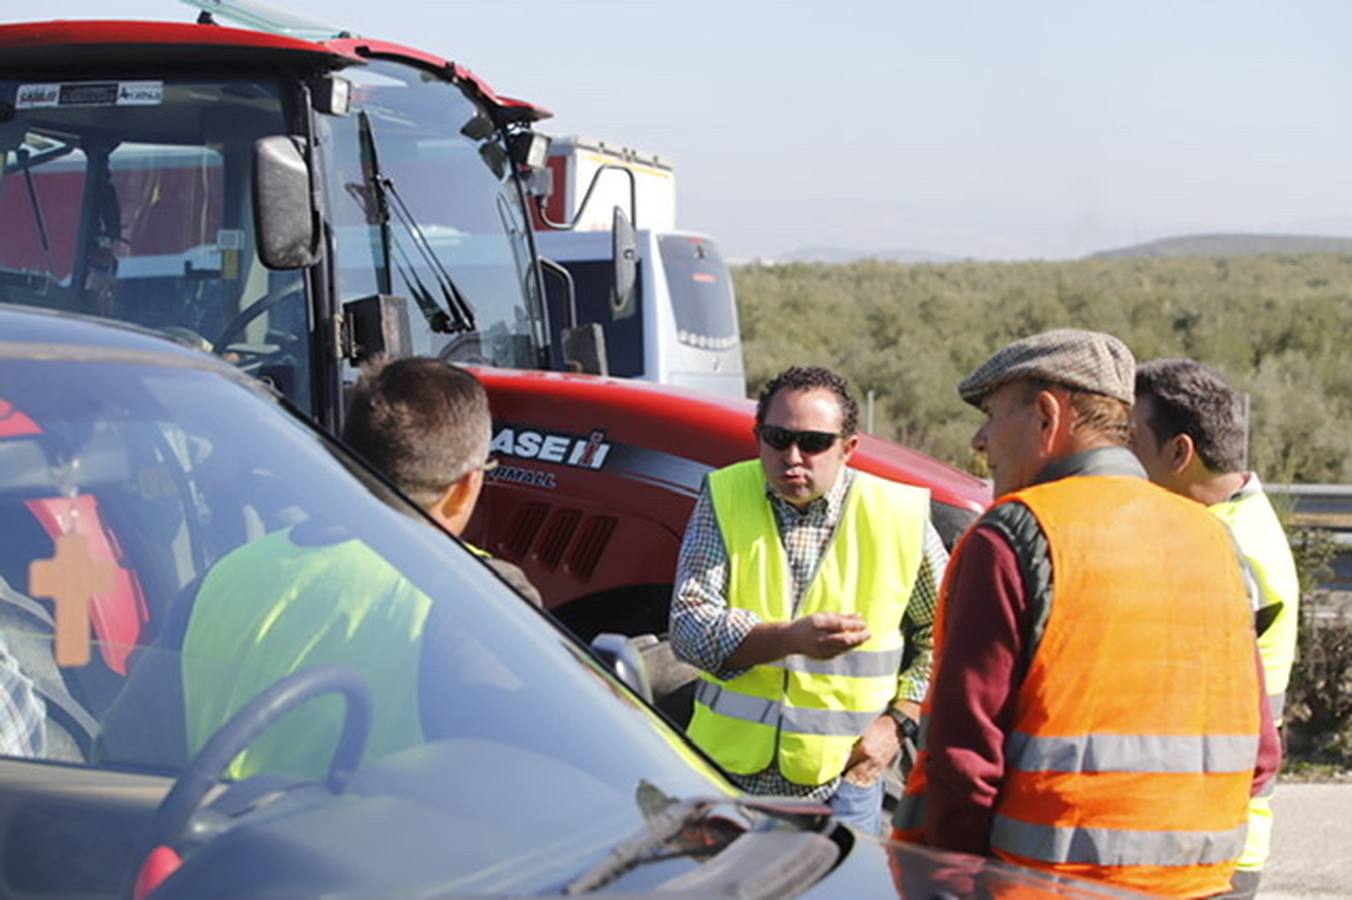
{"x":1136,"y":729}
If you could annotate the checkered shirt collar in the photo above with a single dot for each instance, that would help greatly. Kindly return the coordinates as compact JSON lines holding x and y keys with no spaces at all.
{"x":828,"y":505}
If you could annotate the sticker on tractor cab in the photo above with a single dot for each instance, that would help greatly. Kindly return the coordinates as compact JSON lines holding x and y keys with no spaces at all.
{"x":90,"y":93}
{"x":588,"y":452}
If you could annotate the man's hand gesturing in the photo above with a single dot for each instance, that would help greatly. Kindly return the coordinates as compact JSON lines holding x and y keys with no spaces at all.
{"x":825,"y":635}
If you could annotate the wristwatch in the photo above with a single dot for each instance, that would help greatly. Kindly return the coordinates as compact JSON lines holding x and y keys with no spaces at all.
{"x":910,"y":728}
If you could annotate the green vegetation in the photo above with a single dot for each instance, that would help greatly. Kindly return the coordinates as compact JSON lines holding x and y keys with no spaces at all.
{"x":1319,"y":698}
{"x":1276,"y":325}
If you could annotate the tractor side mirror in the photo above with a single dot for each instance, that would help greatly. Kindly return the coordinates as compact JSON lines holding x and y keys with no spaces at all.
{"x":584,"y":349}
{"x":377,"y":325}
{"x":284,"y":213}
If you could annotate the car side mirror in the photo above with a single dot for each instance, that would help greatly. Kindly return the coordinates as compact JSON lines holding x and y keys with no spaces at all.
{"x":284,"y":212}
{"x":625,"y":661}
{"x":624,"y":256}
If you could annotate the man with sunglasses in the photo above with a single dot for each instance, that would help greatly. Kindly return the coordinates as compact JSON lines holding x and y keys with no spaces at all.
{"x":800,"y":587}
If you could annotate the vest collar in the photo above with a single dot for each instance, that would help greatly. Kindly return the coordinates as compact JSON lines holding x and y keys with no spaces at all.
{"x":1099,"y":461}
{"x":1250,"y":487}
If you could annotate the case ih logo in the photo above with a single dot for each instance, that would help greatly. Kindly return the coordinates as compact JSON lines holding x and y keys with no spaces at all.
{"x":582,"y":452}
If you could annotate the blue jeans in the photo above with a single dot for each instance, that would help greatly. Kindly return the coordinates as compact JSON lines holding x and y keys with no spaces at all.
{"x":861,"y":807}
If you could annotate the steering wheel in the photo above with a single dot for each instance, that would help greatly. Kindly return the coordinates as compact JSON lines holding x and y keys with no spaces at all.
{"x":253,"y":311}
{"x":176,"y":811}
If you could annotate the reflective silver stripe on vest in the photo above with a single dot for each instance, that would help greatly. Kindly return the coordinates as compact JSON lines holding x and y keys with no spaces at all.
{"x":737,"y":706}
{"x":1114,"y":847}
{"x":856,"y":664}
{"x":1132,"y":753}
{"x":838,"y":722}
{"x":771,"y":712}
{"x":1277,"y":703}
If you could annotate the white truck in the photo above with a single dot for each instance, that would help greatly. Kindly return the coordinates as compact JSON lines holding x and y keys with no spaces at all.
{"x":680,"y":325}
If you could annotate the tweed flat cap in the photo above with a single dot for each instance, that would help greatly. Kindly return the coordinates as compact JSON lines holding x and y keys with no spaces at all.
{"x":1083,"y":360}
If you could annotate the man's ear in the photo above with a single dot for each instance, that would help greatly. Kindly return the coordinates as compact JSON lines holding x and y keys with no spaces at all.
{"x":1053,"y":419}
{"x":849,"y":445}
{"x":1179,"y":452}
{"x":457,"y":503}
{"x":465,"y":492}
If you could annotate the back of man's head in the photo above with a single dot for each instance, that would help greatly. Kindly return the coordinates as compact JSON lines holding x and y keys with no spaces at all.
{"x":1094,"y":368}
{"x":1188,"y":397}
{"x":422,"y":422}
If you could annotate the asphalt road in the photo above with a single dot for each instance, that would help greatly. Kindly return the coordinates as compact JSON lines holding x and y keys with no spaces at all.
{"x":1312,"y":843}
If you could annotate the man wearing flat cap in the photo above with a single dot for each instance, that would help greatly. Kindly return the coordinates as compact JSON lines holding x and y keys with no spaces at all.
{"x":1097,"y":705}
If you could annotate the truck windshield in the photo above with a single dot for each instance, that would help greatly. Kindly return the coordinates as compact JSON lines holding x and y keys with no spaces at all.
{"x":701,"y":292}
{"x":443,"y":160}
{"x":131,"y":200}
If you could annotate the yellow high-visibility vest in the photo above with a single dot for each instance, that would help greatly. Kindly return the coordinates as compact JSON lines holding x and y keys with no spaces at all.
{"x":1261,"y":539}
{"x":806,"y":714}
{"x":274,"y":607}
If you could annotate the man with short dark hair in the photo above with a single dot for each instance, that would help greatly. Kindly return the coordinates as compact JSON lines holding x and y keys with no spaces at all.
{"x":426,"y":426}
{"x":800,"y":584}
{"x":315,"y":594}
{"x":1097,"y":707}
{"x":1191,"y":435}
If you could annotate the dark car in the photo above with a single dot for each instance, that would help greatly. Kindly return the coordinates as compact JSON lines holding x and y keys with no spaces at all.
{"x":134,"y":473}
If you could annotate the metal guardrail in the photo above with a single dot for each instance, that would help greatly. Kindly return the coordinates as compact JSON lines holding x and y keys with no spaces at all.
{"x":1327,"y":507}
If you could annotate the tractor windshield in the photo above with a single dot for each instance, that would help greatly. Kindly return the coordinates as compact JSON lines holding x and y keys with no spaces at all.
{"x":424,"y":203}
{"x":131,"y":200}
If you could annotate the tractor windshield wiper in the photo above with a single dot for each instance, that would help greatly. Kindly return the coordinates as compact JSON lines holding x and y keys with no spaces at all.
{"x":458,"y":315}
{"x":21,"y":155}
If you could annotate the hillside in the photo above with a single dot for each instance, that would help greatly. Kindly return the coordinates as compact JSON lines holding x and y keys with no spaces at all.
{"x":841,"y":255}
{"x":1230,"y":245}
{"x":1278,"y":326}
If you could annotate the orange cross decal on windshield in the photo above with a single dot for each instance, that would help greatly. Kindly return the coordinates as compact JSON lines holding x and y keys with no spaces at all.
{"x":71,"y":578}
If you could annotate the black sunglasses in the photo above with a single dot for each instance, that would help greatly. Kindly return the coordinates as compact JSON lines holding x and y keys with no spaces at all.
{"x":808,"y":441}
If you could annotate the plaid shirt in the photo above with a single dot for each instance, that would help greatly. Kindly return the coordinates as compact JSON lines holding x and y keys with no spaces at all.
{"x":23,"y":715}
{"x":705,"y":631}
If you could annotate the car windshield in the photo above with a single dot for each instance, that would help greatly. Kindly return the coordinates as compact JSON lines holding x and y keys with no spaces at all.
{"x":175,"y":543}
{"x":132,"y":200}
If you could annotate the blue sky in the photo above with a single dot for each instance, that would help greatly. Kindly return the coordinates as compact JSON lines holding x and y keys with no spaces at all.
{"x":984,"y":129}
